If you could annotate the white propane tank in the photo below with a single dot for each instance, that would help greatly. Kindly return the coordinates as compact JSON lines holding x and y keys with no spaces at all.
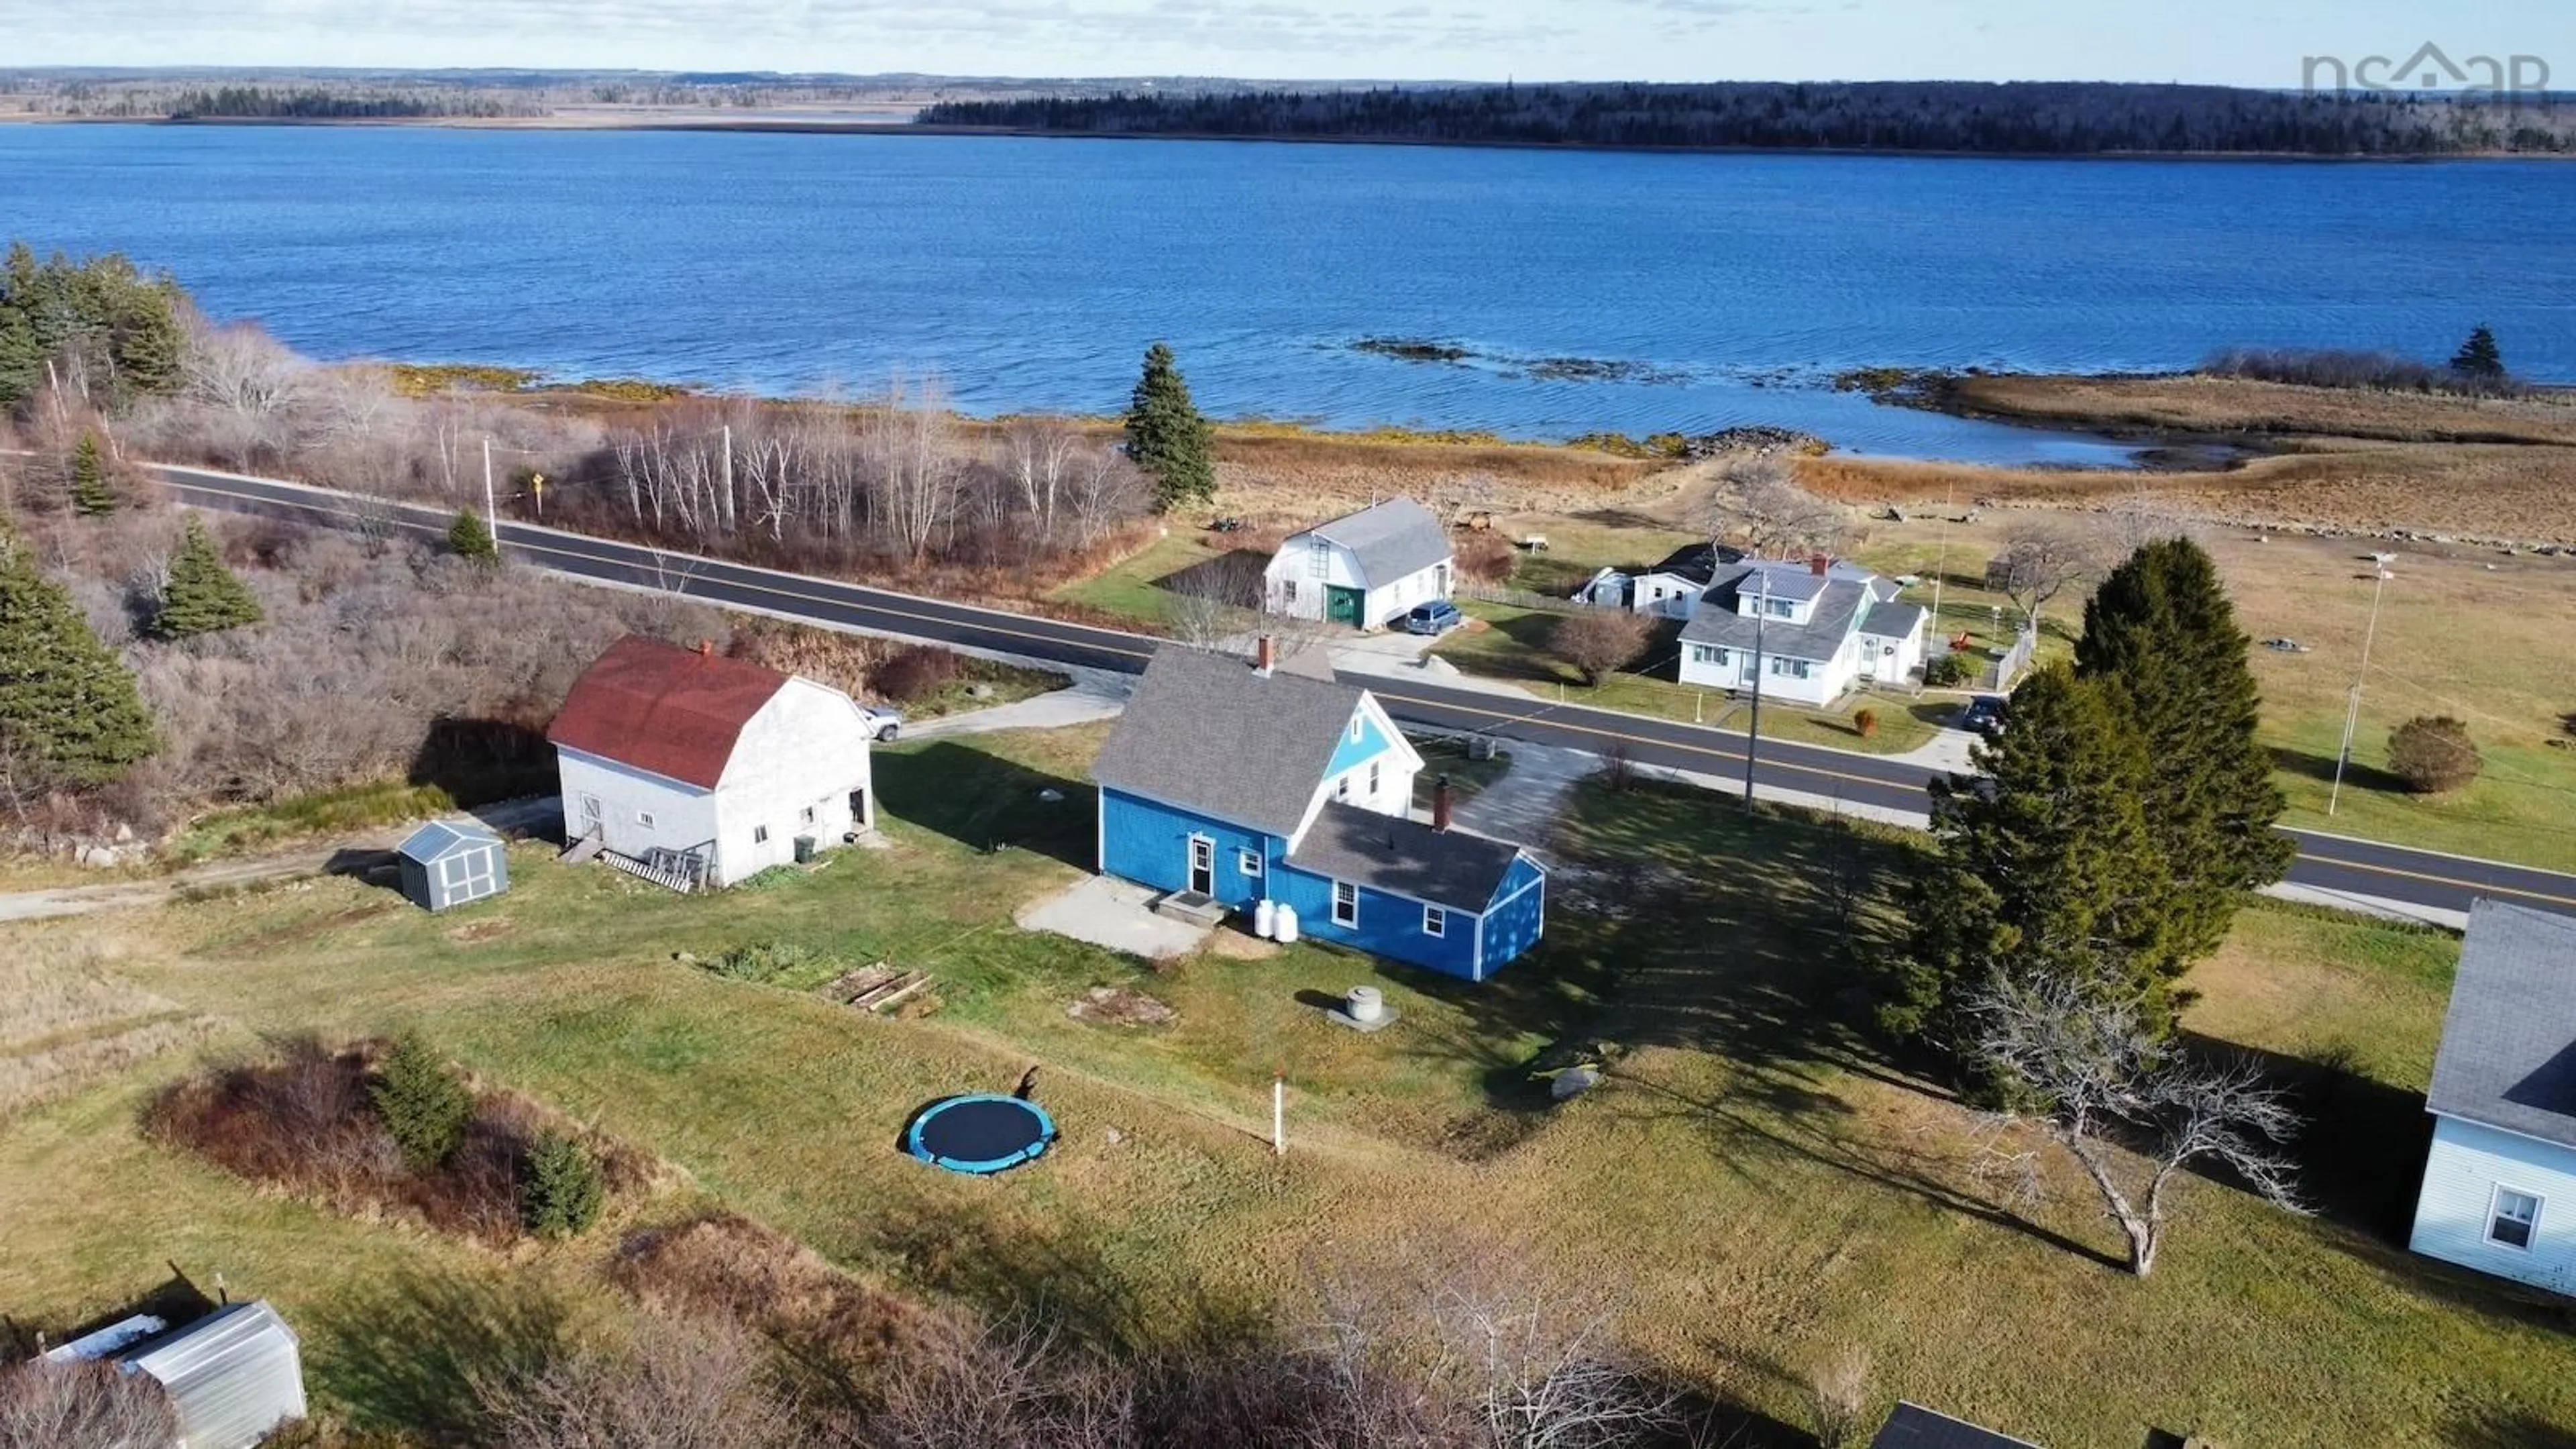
{"x":1283,"y":925}
{"x":1265,"y":919}
{"x":1364,"y":1005}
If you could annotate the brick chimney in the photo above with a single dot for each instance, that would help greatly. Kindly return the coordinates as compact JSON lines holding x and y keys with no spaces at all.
{"x":1265,"y":656}
{"x":1440,"y":803}
{"x":706,"y":649}
{"x":1819,"y":564}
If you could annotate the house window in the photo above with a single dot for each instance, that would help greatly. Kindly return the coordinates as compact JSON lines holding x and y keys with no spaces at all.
{"x":1346,"y":904}
{"x":760,"y":835}
{"x":1247,"y":863}
{"x":1784,"y":609}
{"x":644,"y":818}
{"x":1342,"y":788}
{"x":1711,"y":654}
{"x":1287,"y":591}
{"x":1788,"y":668}
{"x":1373,"y":778}
{"x":1356,"y":728}
{"x":1435,"y":921}
{"x":2515,"y":1218}
{"x":806,"y":816}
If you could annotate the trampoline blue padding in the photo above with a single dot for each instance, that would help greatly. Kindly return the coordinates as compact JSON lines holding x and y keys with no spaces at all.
{"x":981,"y":1135}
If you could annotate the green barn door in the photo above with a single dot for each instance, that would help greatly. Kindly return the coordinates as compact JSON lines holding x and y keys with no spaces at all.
{"x":1342,"y":606}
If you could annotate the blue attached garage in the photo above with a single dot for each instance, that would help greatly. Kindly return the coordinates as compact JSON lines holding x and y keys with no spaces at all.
{"x":452,"y":862}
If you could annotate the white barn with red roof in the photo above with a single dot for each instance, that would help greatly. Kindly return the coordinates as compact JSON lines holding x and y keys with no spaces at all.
{"x":696,"y":770}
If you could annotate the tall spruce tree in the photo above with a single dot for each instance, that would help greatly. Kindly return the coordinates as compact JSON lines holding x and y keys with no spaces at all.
{"x":2160,"y":636}
{"x":2479,"y":359}
{"x":91,"y":495}
{"x":204,"y":596}
{"x":1167,"y":437}
{"x":69,"y":714}
{"x":2043,"y":869}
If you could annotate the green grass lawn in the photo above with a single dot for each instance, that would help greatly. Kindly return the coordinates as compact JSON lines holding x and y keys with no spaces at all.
{"x":1134,"y":586}
{"x":1513,"y":645}
{"x":1467,"y":778}
{"x":1763,"y":1188}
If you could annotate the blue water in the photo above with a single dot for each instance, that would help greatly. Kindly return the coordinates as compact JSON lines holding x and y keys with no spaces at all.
{"x":1030,"y":274}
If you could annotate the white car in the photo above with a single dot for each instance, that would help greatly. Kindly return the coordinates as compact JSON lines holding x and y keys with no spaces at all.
{"x":884,"y":721}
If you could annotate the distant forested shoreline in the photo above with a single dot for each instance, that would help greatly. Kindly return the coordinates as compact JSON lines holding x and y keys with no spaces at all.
{"x":2021,"y":118}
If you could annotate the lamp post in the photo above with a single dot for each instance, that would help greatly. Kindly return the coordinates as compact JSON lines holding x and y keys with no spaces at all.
{"x":2352,"y":709}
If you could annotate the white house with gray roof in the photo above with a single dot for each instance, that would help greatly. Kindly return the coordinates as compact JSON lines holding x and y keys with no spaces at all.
{"x":2499,"y":1189}
{"x":1366,"y":569}
{"x":1822,"y":628}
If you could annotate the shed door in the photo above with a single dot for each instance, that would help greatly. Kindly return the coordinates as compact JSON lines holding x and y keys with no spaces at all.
{"x":469,"y":875}
{"x":1344,"y":606}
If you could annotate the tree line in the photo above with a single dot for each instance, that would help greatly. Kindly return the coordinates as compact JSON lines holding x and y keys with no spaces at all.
{"x":98,"y":330}
{"x":2019,"y":118}
{"x":317,"y":104}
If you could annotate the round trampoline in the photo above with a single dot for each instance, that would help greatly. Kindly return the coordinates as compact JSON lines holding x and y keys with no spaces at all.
{"x":981,"y":1135}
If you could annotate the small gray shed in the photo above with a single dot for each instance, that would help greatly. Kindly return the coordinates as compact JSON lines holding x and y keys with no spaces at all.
{"x":233,"y":1375}
{"x":451,"y":862}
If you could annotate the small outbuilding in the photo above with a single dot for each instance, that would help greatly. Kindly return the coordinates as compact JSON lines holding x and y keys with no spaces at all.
{"x":1366,"y":569}
{"x":233,"y":1375}
{"x":452,"y":862}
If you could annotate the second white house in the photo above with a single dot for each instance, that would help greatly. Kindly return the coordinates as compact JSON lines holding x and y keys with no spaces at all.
{"x":1366,"y":569}
{"x":697,"y":770}
{"x":1822,"y":628}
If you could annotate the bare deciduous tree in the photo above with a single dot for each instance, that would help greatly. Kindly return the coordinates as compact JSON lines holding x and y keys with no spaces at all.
{"x":1758,"y":503}
{"x":1214,"y":602}
{"x":2091,"y":1078}
{"x":2042,"y":559}
{"x":84,"y":1406}
{"x":1600,"y":642}
{"x":702,"y":1383}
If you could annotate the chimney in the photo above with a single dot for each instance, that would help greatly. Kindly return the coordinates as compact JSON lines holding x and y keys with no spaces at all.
{"x":706,"y":649}
{"x":1440,"y":803}
{"x":1817,"y":564}
{"x":1265,"y":656}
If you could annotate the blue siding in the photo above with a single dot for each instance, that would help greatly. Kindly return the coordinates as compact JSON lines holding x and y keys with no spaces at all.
{"x":1518,"y":917}
{"x":1351,"y":754}
{"x":1149,"y":843}
{"x":1390,"y":926}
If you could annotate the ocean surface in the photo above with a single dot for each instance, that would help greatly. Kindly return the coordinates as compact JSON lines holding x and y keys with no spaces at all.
{"x":1589,"y":290}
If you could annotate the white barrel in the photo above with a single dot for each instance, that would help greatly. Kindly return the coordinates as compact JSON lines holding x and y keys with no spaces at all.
{"x":1265,"y":919}
{"x":1283,"y":925}
{"x":1364,"y":1004}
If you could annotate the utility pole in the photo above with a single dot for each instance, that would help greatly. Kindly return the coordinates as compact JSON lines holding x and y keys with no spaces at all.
{"x":491,"y":515}
{"x":1941,"y":559}
{"x":2352,"y":710}
{"x":728,"y":474}
{"x":1753,"y":734}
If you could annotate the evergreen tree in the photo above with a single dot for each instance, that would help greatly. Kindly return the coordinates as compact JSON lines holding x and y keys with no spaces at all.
{"x":2041,"y":870}
{"x":561,"y":1195}
{"x":2160,"y":635}
{"x":2479,"y":359}
{"x":204,"y":595}
{"x":471,"y":538}
{"x":91,"y":497}
{"x":69,"y":714}
{"x":425,"y":1110}
{"x":1167,"y":437}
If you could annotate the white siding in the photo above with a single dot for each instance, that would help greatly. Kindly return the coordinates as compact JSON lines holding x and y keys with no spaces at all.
{"x":1399,"y":766}
{"x":683,"y":817}
{"x":2461,"y":1174}
{"x":806,"y":749}
{"x":1827,"y":679}
{"x":1293,"y":587}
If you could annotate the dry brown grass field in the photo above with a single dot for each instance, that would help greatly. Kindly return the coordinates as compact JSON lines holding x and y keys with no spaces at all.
{"x":2224,"y":405}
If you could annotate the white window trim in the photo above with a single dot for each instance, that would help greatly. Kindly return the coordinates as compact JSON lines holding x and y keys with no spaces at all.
{"x":1435,"y":921}
{"x":1359,"y":726}
{"x":760,"y":835}
{"x":1247,"y":863}
{"x":644,"y":818}
{"x":1342,"y":788}
{"x":1373,"y":779}
{"x":2495,"y":1206}
{"x":1341,"y":889}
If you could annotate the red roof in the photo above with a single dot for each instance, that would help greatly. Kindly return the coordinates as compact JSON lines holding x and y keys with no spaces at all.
{"x":675,"y":712}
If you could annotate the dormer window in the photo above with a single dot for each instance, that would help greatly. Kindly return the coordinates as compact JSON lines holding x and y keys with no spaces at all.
{"x":1784,"y":608}
{"x":1356,"y":728}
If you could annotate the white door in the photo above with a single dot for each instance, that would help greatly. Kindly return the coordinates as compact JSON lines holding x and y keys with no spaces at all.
{"x":1203,"y":865}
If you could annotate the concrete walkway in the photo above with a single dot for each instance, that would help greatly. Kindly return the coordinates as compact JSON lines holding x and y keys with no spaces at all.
{"x":1096,"y":694}
{"x":348,"y":856}
{"x":1524,"y":805}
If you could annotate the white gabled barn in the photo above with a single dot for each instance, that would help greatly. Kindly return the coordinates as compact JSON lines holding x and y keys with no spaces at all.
{"x":706,"y":771}
{"x":1367,"y":569}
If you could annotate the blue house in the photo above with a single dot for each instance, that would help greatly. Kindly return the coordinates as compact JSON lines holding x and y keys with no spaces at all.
{"x":1242,"y":783}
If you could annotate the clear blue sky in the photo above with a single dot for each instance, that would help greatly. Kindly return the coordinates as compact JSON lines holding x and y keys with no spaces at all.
{"x":2244,"y":42}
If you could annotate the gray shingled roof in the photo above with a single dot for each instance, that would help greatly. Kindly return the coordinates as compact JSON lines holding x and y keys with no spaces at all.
{"x":1394,"y":540}
{"x":1698,"y":562}
{"x":1892,"y":621}
{"x":1914,"y":1427}
{"x":2508,"y":1055}
{"x":1442,"y":867}
{"x":1207,"y":733}
{"x":1716,"y":622}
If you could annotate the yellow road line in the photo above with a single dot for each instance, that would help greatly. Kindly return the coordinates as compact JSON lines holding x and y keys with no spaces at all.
{"x":1733,"y":757}
{"x":2475,"y":887}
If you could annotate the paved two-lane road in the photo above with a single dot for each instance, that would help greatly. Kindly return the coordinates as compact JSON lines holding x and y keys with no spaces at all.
{"x":2326,"y":863}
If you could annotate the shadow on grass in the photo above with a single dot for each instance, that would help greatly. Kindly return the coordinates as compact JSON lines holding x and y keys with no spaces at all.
{"x":988,"y":803}
{"x":479,"y":761}
{"x":1235,"y":577}
{"x":2498,"y":1428}
{"x":175,"y":1300}
{"x":2356,"y":775}
{"x":405,"y":1352}
{"x":1046,"y":1271}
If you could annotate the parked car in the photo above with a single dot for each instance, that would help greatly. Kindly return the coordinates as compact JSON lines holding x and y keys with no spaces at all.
{"x":884,"y":721}
{"x":1437,"y":617}
{"x":1984,"y":714}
